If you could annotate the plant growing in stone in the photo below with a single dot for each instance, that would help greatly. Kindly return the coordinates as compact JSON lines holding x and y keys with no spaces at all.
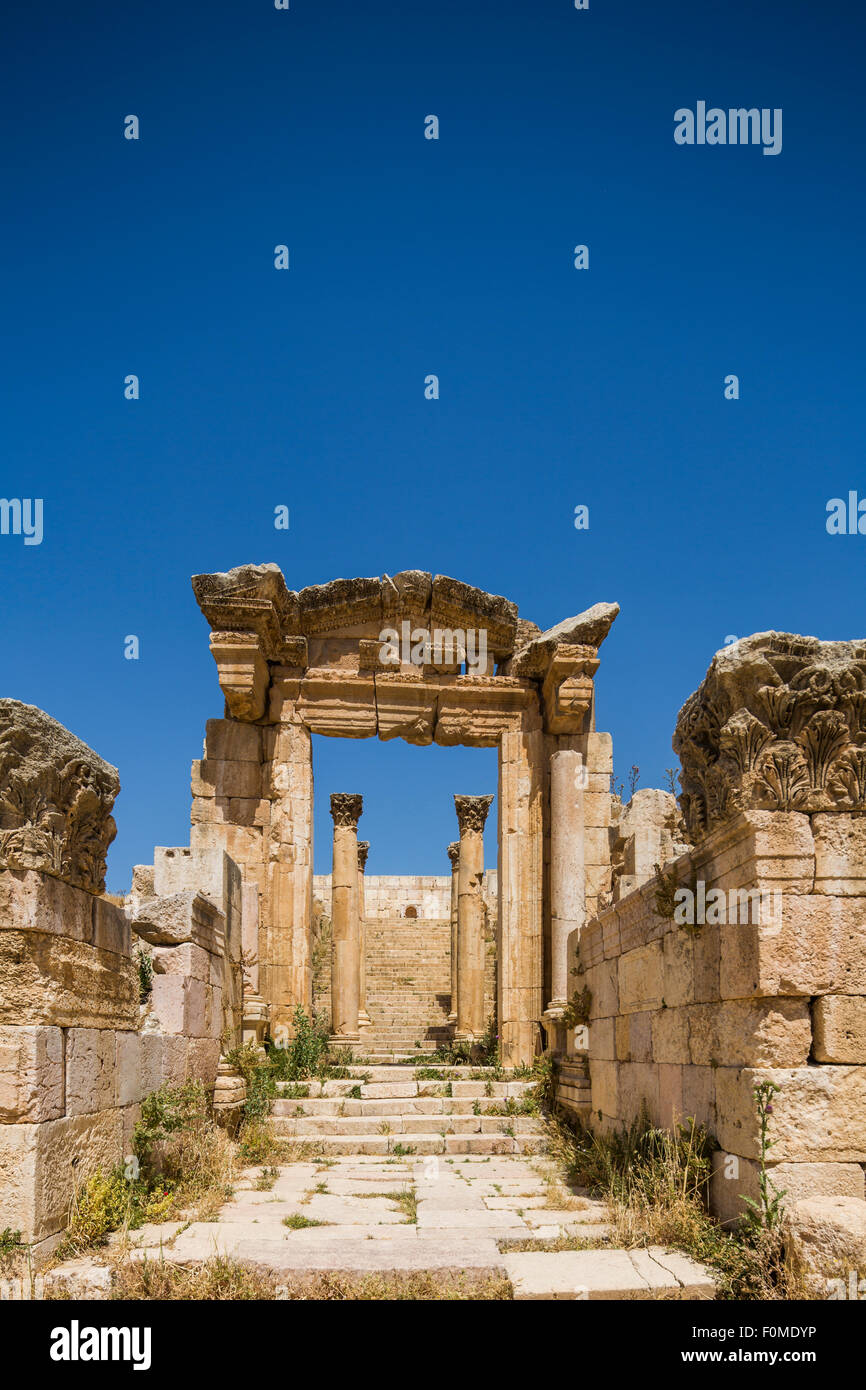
{"x":765,"y":1213}
{"x":144,"y":962}
{"x":576,"y":1012}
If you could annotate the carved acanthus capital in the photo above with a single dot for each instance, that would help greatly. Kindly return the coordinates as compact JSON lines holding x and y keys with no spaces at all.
{"x":454,"y":853}
{"x":347,"y":809}
{"x":363,"y":851}
{"x":472,"y":812}
{"x":56,"y":797}
{"x":779,"y":724}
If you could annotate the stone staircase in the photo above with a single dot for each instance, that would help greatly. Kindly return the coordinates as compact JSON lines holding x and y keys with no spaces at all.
{"x":408,"y":984}
{"x":395,"y":1113}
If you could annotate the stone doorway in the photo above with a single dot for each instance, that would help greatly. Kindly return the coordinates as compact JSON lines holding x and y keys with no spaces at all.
{"x":292,"y":664}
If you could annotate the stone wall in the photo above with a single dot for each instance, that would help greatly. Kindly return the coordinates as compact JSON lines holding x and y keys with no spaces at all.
{"x":744,"y":959}
{"x":78,"y":1050}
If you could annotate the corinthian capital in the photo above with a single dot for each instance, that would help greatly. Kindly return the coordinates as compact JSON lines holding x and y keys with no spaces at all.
{"x":347,"y":808}
{"x":472,"y":812}
{"x":454,"y":853}
{"x":363,"y":851}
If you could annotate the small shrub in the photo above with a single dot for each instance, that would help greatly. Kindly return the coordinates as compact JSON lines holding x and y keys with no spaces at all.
{"x":144,"y":962}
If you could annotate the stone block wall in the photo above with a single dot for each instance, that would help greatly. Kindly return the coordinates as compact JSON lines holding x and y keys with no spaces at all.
{"x":78,"y":1050}
{"x":686,"y":1022}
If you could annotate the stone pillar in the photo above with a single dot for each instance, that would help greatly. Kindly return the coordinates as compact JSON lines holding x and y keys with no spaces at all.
{"x":520,"y":957}
{"x":364,"y":1019}
{"x":454,"y":856}
{"x":346,"y":809}
{"x":471,"y":815}
{"x":567,"y":879}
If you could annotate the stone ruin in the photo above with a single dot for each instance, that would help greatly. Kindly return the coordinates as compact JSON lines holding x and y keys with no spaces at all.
{"x":573,"y":943}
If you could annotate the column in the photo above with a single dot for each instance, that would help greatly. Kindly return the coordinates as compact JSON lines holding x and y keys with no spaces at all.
{"x":454,"y":856}
{"x":471,"y":815}
{"x":567,"y":877}
{"x":364,"y":1019}
{"x":346,"y":809}
{"x":523,"y":772}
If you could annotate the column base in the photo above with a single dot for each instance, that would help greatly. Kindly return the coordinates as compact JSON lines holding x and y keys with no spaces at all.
{"x":552,"y":1018}
{"x":343,"y":1039}
{"x":451,"y":1020}
{"x":364,"y":1019}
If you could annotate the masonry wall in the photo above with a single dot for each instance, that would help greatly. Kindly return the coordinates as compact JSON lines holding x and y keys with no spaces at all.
{"x":78,"y":1051}
{"x":687,"y":1023}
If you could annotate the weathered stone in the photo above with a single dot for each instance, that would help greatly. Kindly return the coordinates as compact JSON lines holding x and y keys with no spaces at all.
{"x":41,"y":1163}
{"x":774,"y":726}
{"x":828,"y":1235}
{"x":840,"y":1028}
{"x":31,"y":1074}
{"x":818,"y":1115}
{"x":56,"y":797}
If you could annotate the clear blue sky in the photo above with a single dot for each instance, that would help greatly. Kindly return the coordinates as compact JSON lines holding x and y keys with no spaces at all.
{"x":409,"y":257}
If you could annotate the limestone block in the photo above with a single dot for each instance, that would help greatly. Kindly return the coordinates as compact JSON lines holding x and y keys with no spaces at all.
{"x":640,"y":1047}
{"x":90,"y":1077}
{"x":596,"y":809}
{"x":820,"y":949}
{"x":39,"y":1164}
{"x":203,"y":1059}
{"x":228,"y":779}
{"x":734,"y":1178}
{"x":604,"y":1077}
{"x":31,"y":1074}
{"x":127,"y":1069}
{"x":840,"y":854}
{"x":602,"y":1044}
{"x":602,"y":982}
{"x":750,"y":1033}
{"x":621,"y":1037}
{"x":50,"y":979}
{"x":818,"y":1116}
{"x":678,"y":954}
{"x":227,"y":740}
{"x":188,"y":959}
{"x":828,"y":1234}
{"x":638,"y":1088}
{"x":37,"y":902}
{"x":699,"y":1096}
{"x":670,"y":1081}
{"x":640,"y":978}
{"x":839,"y":1023}
{"x":670,"y":1036}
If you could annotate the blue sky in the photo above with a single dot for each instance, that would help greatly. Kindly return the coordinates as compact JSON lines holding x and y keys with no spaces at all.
{"x":408,"y":257}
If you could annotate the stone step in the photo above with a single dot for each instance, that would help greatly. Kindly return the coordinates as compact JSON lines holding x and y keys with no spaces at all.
{"x":322,"y":1106}
{"x":306,"y":1126}
{"x":425,"y":1143}
{"x":407,"y":1090}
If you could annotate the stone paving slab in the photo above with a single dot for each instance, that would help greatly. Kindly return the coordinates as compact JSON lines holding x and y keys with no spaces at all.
{"x":581,"y":1275}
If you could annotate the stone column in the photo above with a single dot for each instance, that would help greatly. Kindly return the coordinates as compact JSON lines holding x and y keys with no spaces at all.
{"x":567,"y":878}
{"x":364,"y":1019}
{"x":520,"y":958}
{"x":471,"y":815}
{"x":346,"y":809}
{"x":454,"y":856}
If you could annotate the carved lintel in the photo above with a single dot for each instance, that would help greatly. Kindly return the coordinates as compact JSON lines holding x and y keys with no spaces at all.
{"x":243,"y":673}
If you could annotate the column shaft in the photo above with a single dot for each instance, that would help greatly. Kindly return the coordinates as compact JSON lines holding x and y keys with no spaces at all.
{"x":346,"y":959}
{"x":471,"y":814}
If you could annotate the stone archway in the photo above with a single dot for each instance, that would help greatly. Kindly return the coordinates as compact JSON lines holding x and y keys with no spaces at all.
{"x":292,"y":664}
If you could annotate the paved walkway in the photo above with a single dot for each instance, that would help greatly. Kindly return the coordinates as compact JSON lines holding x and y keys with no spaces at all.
{"x":365,"y":1214}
